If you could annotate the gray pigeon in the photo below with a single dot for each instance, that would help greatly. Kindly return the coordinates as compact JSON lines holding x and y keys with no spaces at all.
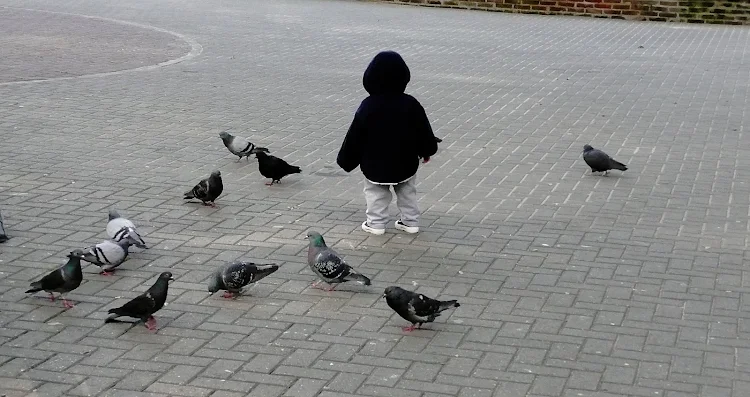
{"x":62,"y":280}
{"x":600,"y":161}
{"x":234,"y":276}
{"x":207,"y":190}
{"x":3,"y":237}
{"x":328,"y":265}
{"x":108,"y":255}
{"x":415,"y":308}
{"x":119,"y":228}
{"x":145,"y":305}
{"x":240,"y":147}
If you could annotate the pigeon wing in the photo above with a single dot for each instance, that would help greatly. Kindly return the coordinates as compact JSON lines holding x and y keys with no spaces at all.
{"x":140,"y":306}
{"x":423,"y":308}
{"x":330,"y":266}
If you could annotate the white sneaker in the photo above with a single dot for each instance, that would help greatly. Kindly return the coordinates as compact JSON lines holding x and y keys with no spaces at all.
{"x":372,"y":230}
{"x":409,"y":229}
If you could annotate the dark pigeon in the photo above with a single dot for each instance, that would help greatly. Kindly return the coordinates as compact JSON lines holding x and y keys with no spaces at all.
{"x":62,"y":280}
{"x":415,"y":308}
{"x":207,"y":190}
{"x":600,"y":161}
{"x":107,"y":255}
{"x":3,"y":236}
{"x":274,"y":167}
{"x":145,"y":305}
{"x":119,"y":229}
{"x":240,"y":147}
{"x":234,"y":276}
{"x":328,"y":265}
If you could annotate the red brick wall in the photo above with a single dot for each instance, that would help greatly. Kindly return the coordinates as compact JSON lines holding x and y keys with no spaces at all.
{"x":736,"y":12}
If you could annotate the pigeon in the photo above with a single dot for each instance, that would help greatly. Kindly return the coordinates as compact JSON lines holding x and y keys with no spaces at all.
{"x":144,"y":305}
{"x":207,"y":190}
{"x":328,"y":265}
{"x":600,"y":161}
{"x":232,"y":277}
{"x":240,"y":147}
{"x":64,"y":279}
{"x":108,"y":255}
{"x":274,"y":167}
{"x":119,"y":229}
{"x":3,"y":236}
{"x":415,"y":308}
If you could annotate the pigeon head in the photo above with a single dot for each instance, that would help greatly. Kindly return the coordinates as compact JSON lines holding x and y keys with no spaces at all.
{"x":215,"y":284}
{"x":587,"y":148}
{"x":76,"y":254}
{"x":166,"y":276}
{"x":392,"y":291}
{"x":113,"y":214}
{"x":316,"y":239}
{"x":216,"y":174}
{"x":225,"y":135}
{"x":260,"y":154}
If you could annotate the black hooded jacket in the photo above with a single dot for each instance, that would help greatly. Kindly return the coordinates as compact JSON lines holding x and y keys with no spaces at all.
{"x":390,"y":130}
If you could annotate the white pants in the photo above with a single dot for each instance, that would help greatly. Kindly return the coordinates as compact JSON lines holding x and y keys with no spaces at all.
{"x":379,"y":197}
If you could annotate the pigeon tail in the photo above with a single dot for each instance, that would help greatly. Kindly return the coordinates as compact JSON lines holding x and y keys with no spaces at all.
{"x":616,"y":165}
{"x":360,"y":278}
{"x":293,"y":169}
{"x":445,"y":305}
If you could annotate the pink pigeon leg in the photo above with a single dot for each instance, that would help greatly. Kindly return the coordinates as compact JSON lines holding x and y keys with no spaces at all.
{"x":151,"y":323}
{"x":409,"y":328}
{"x":67,"y":303}
{"x":51,"y":297}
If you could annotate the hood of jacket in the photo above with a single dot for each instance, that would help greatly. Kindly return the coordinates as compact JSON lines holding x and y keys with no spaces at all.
{"x":387,"y":73}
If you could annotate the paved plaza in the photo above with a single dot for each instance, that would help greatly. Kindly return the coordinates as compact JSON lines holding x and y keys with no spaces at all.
{"x":570,"y":284}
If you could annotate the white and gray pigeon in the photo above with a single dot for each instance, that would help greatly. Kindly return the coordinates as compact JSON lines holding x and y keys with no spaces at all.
{"x":415,"y":308}
{"x":240,"y":147}
{"x":107,"y":255}
{"x":62,"y":280}
{"x":328,"y":265}
{"x":143,"y":306}
{"x":600,"y":161}
{"x":234,"y":276}
{"x":119,"y":228}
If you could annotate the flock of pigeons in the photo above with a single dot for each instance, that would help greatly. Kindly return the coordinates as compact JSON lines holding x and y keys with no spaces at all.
{"x":326,"y":263}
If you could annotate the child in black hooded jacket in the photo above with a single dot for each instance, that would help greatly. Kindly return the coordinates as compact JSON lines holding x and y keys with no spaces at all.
{"x":389,"y":134}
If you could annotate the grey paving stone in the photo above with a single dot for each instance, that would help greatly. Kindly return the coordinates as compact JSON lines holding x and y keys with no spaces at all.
{"x":570,"y":284}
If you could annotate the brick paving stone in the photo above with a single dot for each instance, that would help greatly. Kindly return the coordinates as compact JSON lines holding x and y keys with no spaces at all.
{"x":570,"y":284}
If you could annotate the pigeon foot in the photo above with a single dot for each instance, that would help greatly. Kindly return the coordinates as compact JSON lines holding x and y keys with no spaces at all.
{"x":107,"y":273}
{"x":51,"y":297}
{"x":409,"y":328}
{"x":151,"y":323}
{"x":67,"y":304}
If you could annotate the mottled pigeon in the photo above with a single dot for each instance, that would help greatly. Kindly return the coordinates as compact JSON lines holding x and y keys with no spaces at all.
{"x":145,"y":305}
{"x":119,"y":229}
{"x":3,"y":237}
{"x":62,"y":280}
{"x":234,"y":276}
{"x":207,"y":190}
{"x":240,"y":147}
{"x":328,"y":265}
{"x":274,"y":167}
{"x":108,"y":255}
{"x":600,"y":161}
{"x":415,"y":308}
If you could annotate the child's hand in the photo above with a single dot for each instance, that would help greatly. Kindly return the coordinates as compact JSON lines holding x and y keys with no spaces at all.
{"x":426,"y":159}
